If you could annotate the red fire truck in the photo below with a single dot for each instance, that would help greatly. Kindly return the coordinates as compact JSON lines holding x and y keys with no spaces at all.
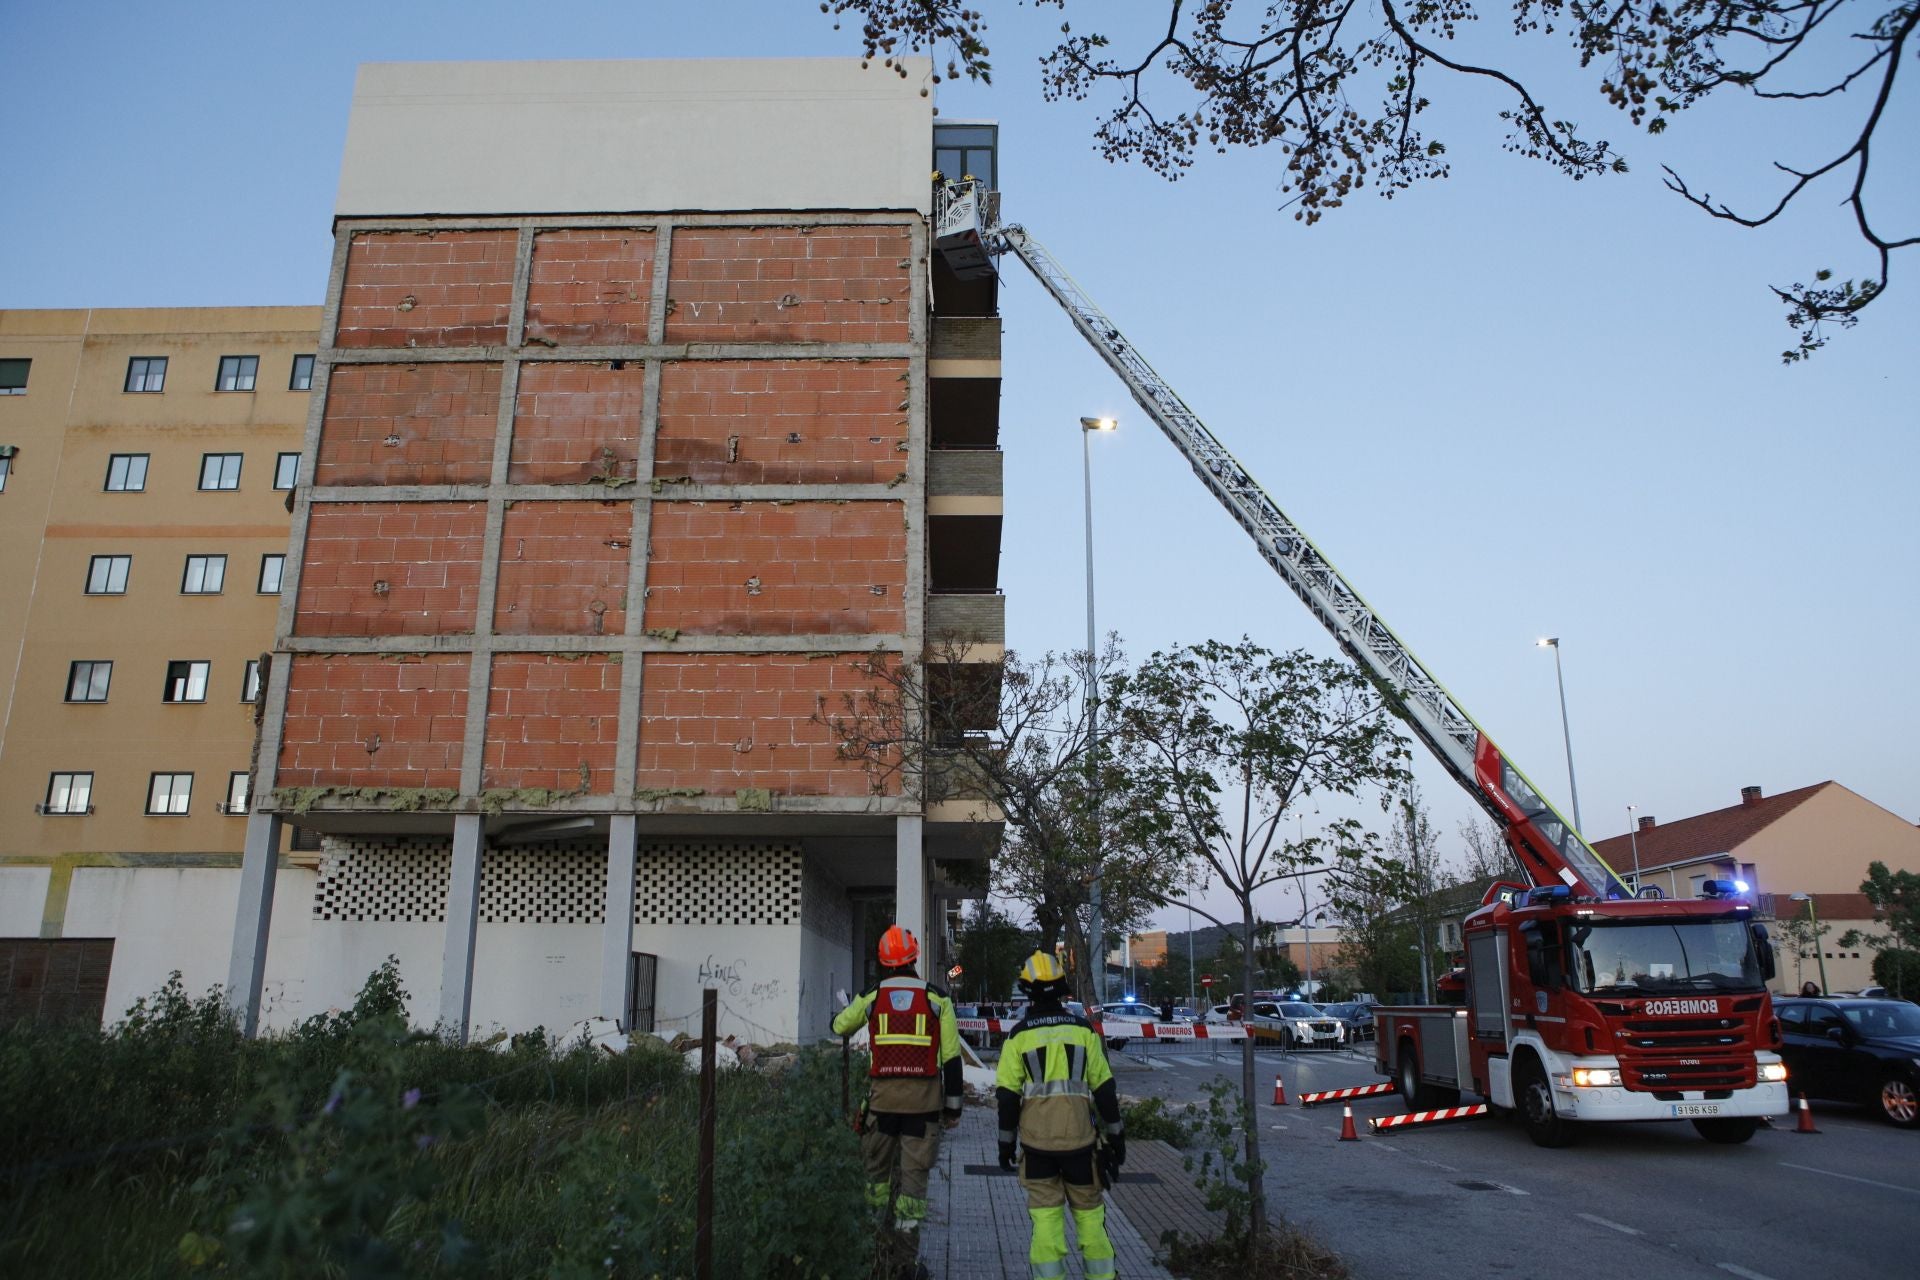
{"x":1585,"y":999}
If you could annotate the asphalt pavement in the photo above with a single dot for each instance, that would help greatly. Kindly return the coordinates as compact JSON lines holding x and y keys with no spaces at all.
{"x":1628,"y":1200}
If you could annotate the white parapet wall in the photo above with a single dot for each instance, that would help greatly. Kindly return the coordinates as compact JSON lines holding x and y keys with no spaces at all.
{"x":637,"y":136}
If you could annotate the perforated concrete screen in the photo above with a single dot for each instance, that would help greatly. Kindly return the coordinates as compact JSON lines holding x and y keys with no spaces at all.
{"x":710,"y":883}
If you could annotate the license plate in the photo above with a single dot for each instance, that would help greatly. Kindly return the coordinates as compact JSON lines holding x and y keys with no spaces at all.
{"x":1681,"y":1109}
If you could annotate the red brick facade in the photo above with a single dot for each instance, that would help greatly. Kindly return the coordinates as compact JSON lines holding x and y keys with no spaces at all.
{"x":427,"y":289}
{"x":563,"y":569}
{"x":783,"y":421}
{"x":548,"y":717}
{"x":590,"y":287}
{"x":390,"y":569}
{"x":374,"y":720}
{"x":769,"y":568}
{"x":573,"y":422}
{"x":409,"y":424}
{"x":724,"y":721}
{"x":790,"y":284}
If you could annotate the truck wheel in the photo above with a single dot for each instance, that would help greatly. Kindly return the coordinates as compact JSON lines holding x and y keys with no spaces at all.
{"x":1533,"y":1099}
{"x":1411,"y":1092}
{"x":1728,"y":1130}
{"x":1898,"y":1102}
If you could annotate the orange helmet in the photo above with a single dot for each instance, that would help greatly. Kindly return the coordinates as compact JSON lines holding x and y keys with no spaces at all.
{"x":898,"y":948}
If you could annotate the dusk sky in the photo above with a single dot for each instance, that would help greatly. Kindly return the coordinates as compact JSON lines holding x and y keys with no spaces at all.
{"x":1507,"y":405}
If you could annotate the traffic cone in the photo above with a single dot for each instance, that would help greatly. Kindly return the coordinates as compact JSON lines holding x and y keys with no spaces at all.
{"x":1806,"y":1118}
{"x":1346,"y":1124}
{"x":1279,"y":1092}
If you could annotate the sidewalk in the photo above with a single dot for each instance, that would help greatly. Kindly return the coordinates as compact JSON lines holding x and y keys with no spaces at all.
{"x":977,"y":1224}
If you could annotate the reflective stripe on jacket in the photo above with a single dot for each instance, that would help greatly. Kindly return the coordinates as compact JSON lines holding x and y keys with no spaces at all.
{"x":1054,"y":1064}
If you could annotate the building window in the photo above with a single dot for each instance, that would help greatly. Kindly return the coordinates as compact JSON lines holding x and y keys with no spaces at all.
{"x":286,"y":470}
{"x":146,"y":373}
{"x":69,"y":793}
{"x":13,"y":377}
{"x":205,"y":576}
{"x":237,"y":373}
{"x":126,"y":473}
{"x":169,"y":794}
{"x":107,"y":575}
{"x":271,"y":567}
{"x":302,"y":379}
{"x":87,"y":681}
{"x":220,"y":470}
{"x":962,"y":150}
{"x":250,"y":681}
{"x":236,"y":794}
{"x":186,"y":682}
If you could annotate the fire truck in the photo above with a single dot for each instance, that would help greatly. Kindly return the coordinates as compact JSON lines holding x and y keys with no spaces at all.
{"x":1585,"y":999}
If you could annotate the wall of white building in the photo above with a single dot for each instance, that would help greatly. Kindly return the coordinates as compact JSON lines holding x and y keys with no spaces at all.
{"x":23,"y":898}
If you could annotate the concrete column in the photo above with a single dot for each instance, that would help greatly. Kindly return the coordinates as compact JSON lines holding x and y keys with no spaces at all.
{"x":910,"y":878}
{"x":463,"y":923}
{"x":616,"y":937}
{"x":247,"y":966}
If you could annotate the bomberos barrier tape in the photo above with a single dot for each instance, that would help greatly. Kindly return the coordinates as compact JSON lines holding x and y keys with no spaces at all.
{"x":1382,"y":1124}
{"x":1119,"y":1030}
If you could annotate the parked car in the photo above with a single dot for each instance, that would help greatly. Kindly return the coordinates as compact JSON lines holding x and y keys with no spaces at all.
{"x":1221,"y":1015}
{"x":1358,"y":1019}
{"x":1296,"y":1024}
{"x":1851,"y":1050}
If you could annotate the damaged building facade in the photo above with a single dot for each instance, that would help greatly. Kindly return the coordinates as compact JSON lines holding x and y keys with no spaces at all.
{"x":643,"y":421}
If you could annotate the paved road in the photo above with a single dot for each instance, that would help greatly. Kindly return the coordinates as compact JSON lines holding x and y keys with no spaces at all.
{"x":1629,"y":1201}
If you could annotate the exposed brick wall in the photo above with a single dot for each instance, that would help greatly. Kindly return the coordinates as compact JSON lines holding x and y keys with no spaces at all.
{"x":338,"y":705}
{"x":547,"y":715}
{"x":590,"y":287}
{"x":572,"y":422}
{"x":783,"y":421}
{"x":722,"y":722}
{"x":563,"y":568}
{"x":790,"y":284}
{"x":427,"y":289}
{"x":767,"y":568}
{"x":409,"y":424}
{"x":426,"y":553}
{"x":51,"y":980}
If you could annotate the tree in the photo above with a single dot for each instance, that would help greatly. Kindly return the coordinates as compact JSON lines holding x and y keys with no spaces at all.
{"x":1485,"y":855}
{"x":1415,"y":845}
{"x":1379,"y":947}
{"x":1802,"y":937}
{"x":1895,"y":896}
{"x":1341,"y":90}
{"x":991,"y":947}
{"x":1228,"y":739}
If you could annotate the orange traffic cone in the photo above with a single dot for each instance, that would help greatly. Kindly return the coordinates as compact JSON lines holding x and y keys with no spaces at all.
{"x":1806,"y":1118}
{"x":1279,"y":1092}
{"x":1346,"y":1124}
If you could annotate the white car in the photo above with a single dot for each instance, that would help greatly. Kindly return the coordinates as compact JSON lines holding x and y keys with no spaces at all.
{"x":1297,"y":1025}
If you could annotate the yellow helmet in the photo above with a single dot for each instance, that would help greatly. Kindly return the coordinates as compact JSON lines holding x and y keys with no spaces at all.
{"x":1040,"y":969}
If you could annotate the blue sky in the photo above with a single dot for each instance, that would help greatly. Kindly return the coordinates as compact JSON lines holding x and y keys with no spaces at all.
{"x":1507,"y":405}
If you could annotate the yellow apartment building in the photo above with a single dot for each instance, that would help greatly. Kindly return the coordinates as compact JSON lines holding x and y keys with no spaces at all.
{"x":147,"y":459}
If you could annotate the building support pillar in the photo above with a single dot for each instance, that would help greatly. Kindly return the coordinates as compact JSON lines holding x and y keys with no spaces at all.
{"x":247,"y":966}
{"x":463,"y":924}
{"x":616,"y":936}
{"x":910,"y":878}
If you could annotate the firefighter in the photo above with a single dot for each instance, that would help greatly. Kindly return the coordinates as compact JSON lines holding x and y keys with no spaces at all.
{"x":1052,"y":1080}
{"x":914,"y":1063}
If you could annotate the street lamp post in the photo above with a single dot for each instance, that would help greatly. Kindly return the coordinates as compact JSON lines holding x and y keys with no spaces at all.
{"x":1566,"y":734}
{"x":1096,"y":934}
{"x":1633,"y":836}
{"x":1813,"y":926}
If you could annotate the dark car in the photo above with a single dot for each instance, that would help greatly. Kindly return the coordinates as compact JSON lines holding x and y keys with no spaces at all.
{"x":1358,"y":1017}
{"x":1865,"y":1051}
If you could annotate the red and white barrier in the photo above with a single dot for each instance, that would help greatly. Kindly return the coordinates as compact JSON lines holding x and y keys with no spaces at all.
{"x":1335,"y":1095}
{"x":1120,"y":1030}
{"x":1381,"y":1124}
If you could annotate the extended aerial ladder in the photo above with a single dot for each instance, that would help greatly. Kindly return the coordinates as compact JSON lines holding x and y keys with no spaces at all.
{"x":1548,"y":848}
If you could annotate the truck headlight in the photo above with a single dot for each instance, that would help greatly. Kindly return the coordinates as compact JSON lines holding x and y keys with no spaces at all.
{"x":1773,"y":1072}
{"x":1595,"y":1077}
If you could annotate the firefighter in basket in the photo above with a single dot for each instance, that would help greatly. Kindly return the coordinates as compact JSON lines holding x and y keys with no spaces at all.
{"x":1058,"y":1099}
{"x":914,"y":1045}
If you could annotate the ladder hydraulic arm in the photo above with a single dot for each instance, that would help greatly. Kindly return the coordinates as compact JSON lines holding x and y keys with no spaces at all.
{"x":1549,"y":849}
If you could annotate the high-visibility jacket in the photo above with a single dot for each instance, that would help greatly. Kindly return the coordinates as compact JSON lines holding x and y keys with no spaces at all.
{"x":910,"y":1095}
{"x":1053,"y":1083}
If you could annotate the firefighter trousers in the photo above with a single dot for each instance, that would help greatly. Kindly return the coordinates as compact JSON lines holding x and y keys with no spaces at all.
{"x":913,"y":1142}
{"x":1055,"y":1181}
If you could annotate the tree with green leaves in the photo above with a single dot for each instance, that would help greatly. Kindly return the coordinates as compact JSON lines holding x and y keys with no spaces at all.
{"x":1895,"y":896}
{"x":990,"y":946}
{"x":1230,"y":739}
{"x":1340,"y":92}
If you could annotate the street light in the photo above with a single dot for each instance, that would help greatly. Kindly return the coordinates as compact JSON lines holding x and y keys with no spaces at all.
{"x":1813,"y":925}
{"x":1099,"y":957}
{"x":1553,"y":643}
{"x":1633,"y":835}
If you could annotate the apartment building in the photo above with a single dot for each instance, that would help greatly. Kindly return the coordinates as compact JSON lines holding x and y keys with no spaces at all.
{"x":146,"y":459}
{"x":629,"y":455}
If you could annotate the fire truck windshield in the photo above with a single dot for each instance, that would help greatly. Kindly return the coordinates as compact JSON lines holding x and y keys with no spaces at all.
{"x":1663,"y":955}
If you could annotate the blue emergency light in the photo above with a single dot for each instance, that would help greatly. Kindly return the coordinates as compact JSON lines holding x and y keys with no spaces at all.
{"x":1723,"y":888}
{"x":1549,"y":893}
